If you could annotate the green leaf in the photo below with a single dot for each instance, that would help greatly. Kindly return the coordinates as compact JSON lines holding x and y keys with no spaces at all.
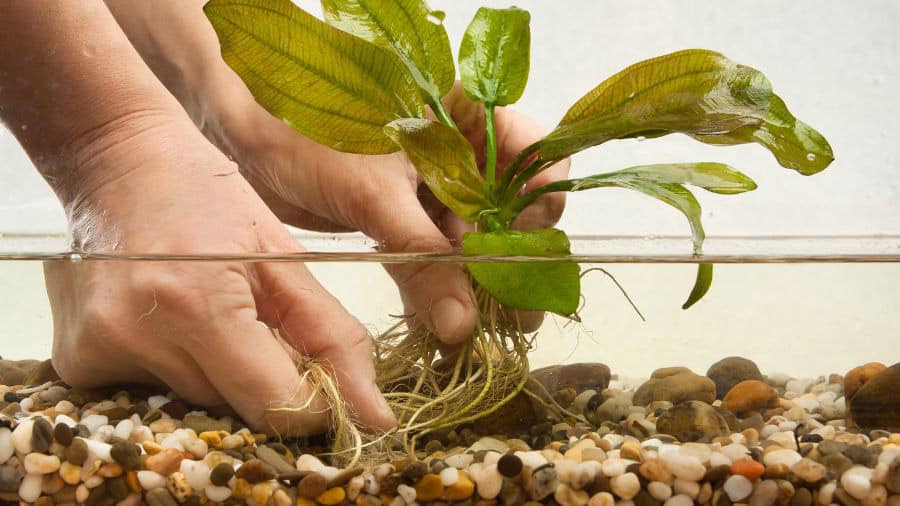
{"x":536,"y":286}
{"x":409,"y":29}
{"x":694,"y":91}
{"x":336,"y":89}
{"x":446,"y":162}
{"x":663,"y":182}
{"x":494,"y":55}
{"x":795,"y":144}
{"x":711,"y":176}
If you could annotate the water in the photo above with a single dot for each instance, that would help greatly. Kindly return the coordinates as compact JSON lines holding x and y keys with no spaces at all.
{"x":807,"y":306}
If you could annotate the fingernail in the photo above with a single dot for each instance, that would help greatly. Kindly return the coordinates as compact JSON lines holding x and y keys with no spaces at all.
{"x":446,"y":316}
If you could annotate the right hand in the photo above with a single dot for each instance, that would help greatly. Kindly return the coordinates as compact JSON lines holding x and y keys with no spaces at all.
{"x":202,"y":328}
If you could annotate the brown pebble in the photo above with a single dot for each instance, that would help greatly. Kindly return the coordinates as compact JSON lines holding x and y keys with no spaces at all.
{"x":312,"y":485}
{"x":165,"y":462}
{"x":802,"y":497}
{"x":717,"y":473}
{"x":332,"y":496}
{"x":176,"y":409}
{"x":221,"y":473}
{"x":62,"y":433}
{"x":118,"y":488}
{"x":777,"y":471}
{"x":256,"y":471}
{"x":41,"y":435}
{"x":509,"y":465}
{"x":415,"y":471}
{"x":77,"y":452}
{"x":127,"y":454}
{"x":859,"y":376}
{"x":750,"y":395}
{"x":429,"y":488}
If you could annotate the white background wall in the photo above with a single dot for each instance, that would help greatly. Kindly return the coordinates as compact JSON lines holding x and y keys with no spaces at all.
{"x":834,"y":62}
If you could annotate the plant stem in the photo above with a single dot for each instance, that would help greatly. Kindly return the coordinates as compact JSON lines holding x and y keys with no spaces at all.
{"x":513,"y":167}
{"x":490,"y":159}
{"x":441,"y":113}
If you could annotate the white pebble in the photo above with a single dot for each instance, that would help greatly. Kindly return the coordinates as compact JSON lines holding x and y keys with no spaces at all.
{"x":150,"y":480}
{"x":603,"y":499}
{"x":21,"y":436}
{"x":64,"y":407}
{"x":156,"y":401}
{"x":686,"y":467}
{"x":449,"y":476}
{"x":94,"y":422}
{"x":785,"y":439}
{"x":719,"y":459}
{"x":786,"y":457}
{"x":141,"y":434}
{"x":172,"y":441}
{"x":99,"y":449}
{"x":30,"y":489}
{"x":461,"y":460}
{"x":196,"y":473}
{"x":736,"y":452}
{"x":799,"y":386}
{"x":654,"y":442}
{"x":488,"y":481}
{"x":613,"y":467}
{"x":615,"y":440}
{"x":217,"y":494}
{"x":701,"y":452}
{"x":625,"y":486}
{"x":857,"y":481}
{"x":738,"y":487}
{"x":407,"y":493}
{"x":686,"y":487}
{"x":38,"y":463}
{"x":491,"y":458}
{"x":679,"y":500}
{"x":26,"y":404}
{"x":659,"y":490}
{"x":81,"y":493}
{"x":307,"y":462}
{"x":530,"y":459}
{"x":123,"y":429}
{"x":65,"y":419}
{"x":329,"y":472}
{"x":103,"y":433}
{"x":7,"y":448}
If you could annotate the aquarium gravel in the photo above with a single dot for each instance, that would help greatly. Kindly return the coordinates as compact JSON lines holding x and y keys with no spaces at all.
{"x":596,"y":439}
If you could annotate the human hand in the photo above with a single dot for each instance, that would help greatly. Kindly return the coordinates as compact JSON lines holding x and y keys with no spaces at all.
{"x":200,"y":327}
{"x":314,"y":187}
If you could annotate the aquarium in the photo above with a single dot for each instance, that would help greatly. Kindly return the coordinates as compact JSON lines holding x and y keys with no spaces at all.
{"x":337,"y":252}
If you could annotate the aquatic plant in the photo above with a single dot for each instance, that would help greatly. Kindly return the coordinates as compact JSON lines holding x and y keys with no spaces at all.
{"x":363,"y":80}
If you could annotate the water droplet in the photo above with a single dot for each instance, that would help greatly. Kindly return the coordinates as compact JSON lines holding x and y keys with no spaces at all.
{"x":811,"y":157}
{"x":24,"y":127}
{"x":631,"y":95}
{"x":640,"y":138}
{"x":75,"y":258}
{"x":436,"y":17}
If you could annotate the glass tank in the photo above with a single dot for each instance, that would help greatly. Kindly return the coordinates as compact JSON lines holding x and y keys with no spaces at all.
{"x":262,"y":317}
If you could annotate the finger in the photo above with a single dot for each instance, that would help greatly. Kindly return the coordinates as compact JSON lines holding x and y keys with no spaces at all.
{"x":247,"y":365}
{"x":177,"y":370}
{"x":317,"y":325}
{"x":438,"y":293}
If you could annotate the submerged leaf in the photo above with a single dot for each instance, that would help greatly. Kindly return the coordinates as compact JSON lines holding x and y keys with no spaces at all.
{"x":446,"y":162}
{"x":336,"y":89}
{"x":537,"y":286}
{"x":406,"y":27}
{"x":694,"y":91}
{"x":795,"y":144}
{"x":495,"y":55}
{"x":663,"y":182}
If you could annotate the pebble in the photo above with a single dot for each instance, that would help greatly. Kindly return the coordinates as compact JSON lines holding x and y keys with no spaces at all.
{"x":509,"y":465}
{"x":782,"y":456}
{"x":127,"y":454}
{"x":429,"y":488}
{"x":449,"y":476}
{"x":312,"y":486}
{"x":256,"y":471}
{"x":160,"y":497}
{"x":764,"y":494}
{"x":21,"y":436}
{"x":38,"y":463}
{"x":179,"y":487}
{"x":659,"y":491}
{"x":165,"y":462}
{"x":543,"y":482}
{"x":77,"y":452}
{"x":6,"y":445}
{"x":196,"y":473}
{"x":462,"y":489}
{"x":625,"y":486}
{"x":686,"y":467}
{"x":730,"y":371}
{"x":41,"y":435}
{"x":858,"y":376}
{"x":750,"y":395}
{"x":221,"y":473}
{"x":749,"y":469}
{"x":336,"y":495}
{"x":30,"y":489}
{"x":62,"y":433}
{"x":737,"y":487}
{"x":857,"y":481}
{"x":217,"y":493}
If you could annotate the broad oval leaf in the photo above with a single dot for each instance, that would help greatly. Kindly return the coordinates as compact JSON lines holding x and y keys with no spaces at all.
{"x":494,"y":56}
{"x":535,"y":286}
{"x":795,"y":144}
{"x":407,"y":27}
{"x":336,"y":89}
{"x":446,"y":162}
{"x":694,"y":91}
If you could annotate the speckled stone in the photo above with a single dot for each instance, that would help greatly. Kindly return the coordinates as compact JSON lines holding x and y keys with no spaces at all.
{"x":692,"y":421}
{"x":676,"y":385}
